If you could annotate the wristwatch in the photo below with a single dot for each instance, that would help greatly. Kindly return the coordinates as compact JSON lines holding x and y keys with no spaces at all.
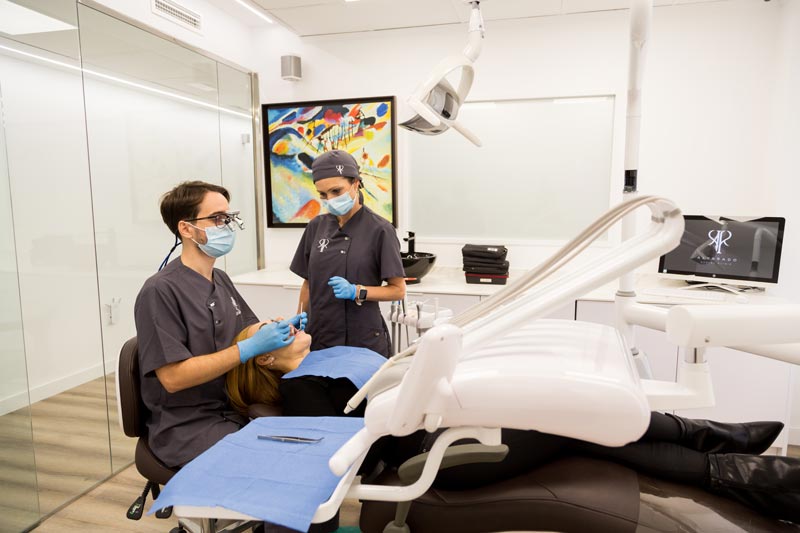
{"x":361,"y":294}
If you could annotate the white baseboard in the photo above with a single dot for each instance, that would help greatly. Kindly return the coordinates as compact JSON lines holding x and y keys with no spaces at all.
{"x":794,"y":436}
{"x":13,"y":402}
{"x":57,"y":386}
{"x":51,"y":388}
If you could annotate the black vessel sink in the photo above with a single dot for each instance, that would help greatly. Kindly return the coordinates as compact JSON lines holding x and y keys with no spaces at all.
{"x":416,"y":265}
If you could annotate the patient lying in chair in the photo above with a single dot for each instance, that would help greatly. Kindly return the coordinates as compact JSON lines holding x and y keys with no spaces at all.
{"x":721,"y":458}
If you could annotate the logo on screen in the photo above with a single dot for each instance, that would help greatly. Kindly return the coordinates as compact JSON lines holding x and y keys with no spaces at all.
{"x":719,"y":238}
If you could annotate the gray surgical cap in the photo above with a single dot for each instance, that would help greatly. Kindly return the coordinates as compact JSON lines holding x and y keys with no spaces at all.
{"x":334,"y":164}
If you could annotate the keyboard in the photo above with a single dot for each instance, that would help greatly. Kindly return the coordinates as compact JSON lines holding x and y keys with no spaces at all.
{"x":667,"y":296}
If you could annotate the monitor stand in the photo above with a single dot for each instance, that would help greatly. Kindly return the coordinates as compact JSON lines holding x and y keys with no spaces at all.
{"x":735,"y":289}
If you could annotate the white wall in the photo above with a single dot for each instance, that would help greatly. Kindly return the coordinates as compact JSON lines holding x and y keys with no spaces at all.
{"x":783,"y":162}
{"x":222,"y":34}
{"x":720,"y":120}
{"x":706,"y":88}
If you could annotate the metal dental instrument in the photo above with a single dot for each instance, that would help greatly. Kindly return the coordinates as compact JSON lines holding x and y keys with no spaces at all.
{"x":289,"y":438}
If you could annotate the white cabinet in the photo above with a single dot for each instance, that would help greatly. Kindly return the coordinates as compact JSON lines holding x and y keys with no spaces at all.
{"x":662,"y":355}
{"x":458,"y":303}
{"x":270,"y":301}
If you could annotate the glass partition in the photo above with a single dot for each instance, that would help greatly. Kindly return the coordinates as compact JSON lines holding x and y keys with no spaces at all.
{"x":101,"y":118}
{"x":237,"y":160}
{"x":51,"y":206}
{"x":19,"y":504}
{"x":157,"y":114}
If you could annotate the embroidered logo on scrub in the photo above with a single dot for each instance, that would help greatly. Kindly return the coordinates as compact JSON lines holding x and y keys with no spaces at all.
{"x":236,"y":306}
{"x":323,"y":243}
{"x":719,"y":238}
{"x":340,"y":168}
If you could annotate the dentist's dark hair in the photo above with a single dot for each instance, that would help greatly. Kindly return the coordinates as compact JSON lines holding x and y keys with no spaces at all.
{"x":183,"y":202}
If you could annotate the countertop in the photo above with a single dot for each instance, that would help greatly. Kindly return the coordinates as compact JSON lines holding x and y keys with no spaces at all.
{"x":450,"y":280}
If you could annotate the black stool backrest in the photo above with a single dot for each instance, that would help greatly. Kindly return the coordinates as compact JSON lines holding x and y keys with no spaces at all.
{"x":131,"y":408}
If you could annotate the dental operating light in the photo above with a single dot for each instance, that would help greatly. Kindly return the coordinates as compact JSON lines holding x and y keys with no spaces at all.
{"x":436,"y":102}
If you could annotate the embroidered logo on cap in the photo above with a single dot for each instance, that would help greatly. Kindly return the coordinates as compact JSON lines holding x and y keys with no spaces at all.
{"x":323,"y":243}
{"x":340,"y":168}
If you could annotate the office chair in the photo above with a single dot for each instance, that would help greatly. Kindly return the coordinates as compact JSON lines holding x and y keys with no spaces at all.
{"x":132,"y":415}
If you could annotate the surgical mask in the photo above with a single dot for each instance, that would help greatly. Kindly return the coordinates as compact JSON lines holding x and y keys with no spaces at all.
{"x":219,"y":241}
{"x":340,"y":205}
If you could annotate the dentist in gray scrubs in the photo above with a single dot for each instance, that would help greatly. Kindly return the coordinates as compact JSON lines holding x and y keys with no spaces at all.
{"x":187,"y":316}
{"x":350,"y":260}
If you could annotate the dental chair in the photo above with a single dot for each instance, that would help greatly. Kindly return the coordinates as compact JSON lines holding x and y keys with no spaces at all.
{"x":565,"y":495}
{"x":503,"y":365}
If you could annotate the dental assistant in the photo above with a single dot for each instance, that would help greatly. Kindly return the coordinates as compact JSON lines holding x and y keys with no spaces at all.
{"x":345,"y":257}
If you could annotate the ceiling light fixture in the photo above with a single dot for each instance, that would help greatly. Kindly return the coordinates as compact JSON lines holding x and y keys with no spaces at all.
{"x":126,"y":82}
{"x":256,"y":11}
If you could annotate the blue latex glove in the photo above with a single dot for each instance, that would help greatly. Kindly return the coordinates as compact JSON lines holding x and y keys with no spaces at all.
{"x":342,"y":289}
{"x":269,"y":337}
{"x":299,"y":321}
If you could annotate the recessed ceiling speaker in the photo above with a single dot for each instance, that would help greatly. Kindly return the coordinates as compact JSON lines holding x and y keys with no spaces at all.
{"x":291,"y":69}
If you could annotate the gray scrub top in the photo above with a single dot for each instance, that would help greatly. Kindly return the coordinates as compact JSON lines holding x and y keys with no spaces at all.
{"x":364,"y":252}
{"x":180,"y":314}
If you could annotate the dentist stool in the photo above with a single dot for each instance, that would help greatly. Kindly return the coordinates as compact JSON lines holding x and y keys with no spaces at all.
{"x":132,"y":415}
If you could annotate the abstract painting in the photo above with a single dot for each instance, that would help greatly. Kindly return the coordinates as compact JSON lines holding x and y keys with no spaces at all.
{"x":296,"y":133}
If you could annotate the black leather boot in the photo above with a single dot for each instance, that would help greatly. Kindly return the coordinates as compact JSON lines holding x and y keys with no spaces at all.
{"x":769,"y":484}
{"x":717,"y":437}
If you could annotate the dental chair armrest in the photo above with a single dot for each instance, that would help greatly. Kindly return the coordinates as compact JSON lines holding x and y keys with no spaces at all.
{"x":458,"y":455}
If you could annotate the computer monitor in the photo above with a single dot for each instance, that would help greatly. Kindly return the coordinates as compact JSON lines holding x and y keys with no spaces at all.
{"x":727,"y":250}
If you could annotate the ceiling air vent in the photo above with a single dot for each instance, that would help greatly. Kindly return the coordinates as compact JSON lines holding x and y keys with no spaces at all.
{"x":177,"y":13}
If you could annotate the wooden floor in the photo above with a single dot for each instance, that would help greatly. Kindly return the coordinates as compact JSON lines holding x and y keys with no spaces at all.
{"x":56,"y":450}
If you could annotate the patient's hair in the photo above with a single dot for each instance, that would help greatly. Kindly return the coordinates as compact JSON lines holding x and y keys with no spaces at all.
{"x":251,"y":383}
{"x":183,"y":202}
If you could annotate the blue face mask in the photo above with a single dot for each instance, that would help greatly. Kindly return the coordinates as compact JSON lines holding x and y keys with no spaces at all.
{"x":340,"y":205}
{"x":219,"y":241}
